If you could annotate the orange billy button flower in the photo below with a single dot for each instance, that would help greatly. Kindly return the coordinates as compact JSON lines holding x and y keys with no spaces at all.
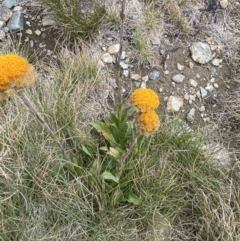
{"x":148,"y":122}
{"x":15,"y":73}
{"x":144,"y":99}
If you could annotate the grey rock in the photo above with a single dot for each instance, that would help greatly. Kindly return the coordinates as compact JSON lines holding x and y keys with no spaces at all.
{"x":190,"y":115}
{"x":155,"y":41}
{"x":209,"y":88}
{"x":16,"y":22}
{"x":162,"y":80}
{"x":5,"y":14}
{"x":201,"y":52}
{"x":153,"y":75}
{"x":31,"y":43}
{"x":9,"y":3}
{"x":174,"y":103}
{"x":203,"y":92}
{"x":2,"y":24}
{"x":48,"y":21}
{"x":178,"y":78}
{"x":2,"y":34}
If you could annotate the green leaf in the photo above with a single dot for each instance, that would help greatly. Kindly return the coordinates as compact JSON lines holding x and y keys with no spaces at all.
{"x":140,"y":141}
{"x":84,"y":149}
{"x":114,"y":152}
{"x":96,"y":126}
{"x":126,"y":178}
{"x":132,"y":198}
{"x":109,"y":176}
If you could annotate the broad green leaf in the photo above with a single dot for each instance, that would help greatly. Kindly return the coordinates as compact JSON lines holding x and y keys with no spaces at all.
{"x":109,"y":176}
{"x":96,"y":126}
{"x":132,"y":198}
{"x":114,"y":152}
{"x":114,"y":119}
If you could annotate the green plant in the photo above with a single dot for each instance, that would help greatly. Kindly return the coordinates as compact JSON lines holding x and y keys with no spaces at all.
{"x":140,"y":42}
{"x":78,"y":17}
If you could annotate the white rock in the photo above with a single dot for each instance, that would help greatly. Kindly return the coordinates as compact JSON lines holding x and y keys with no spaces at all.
{"x":201,"y":52}
{"x":135,"y":77}
{"x":29,"y":31}
{"x":143,"y":85}
{"x":186,"y":97}
{"x":123,"y":65}
{"x":145,"y":78}
{"x":165,"y":98}
{"x":192,"y":97}
{"x":123,"y":55}
{"x":174,"y":103}
{"x":125,"y":73}
{"x":202,"y":108}
{"x":193,"y":82}
{"x":166,"y":72}
{"x":224,"y":3}
{"x":17,"y":8}
{"x":190,"y":64}
{"x":107,"y":58}
{"x":38,"y":32}
{"x":113,"y":49}
{"x":216,"y":62}
{"x":180,"y":67}
{"x":2,"y":24}
{"x":215,"y":85}
{"x":160,"y":90}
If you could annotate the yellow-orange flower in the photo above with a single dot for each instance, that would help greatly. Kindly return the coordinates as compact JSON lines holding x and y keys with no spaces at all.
{"x":15,"y":73}
{"x":148,"y":122}
{"x":144,"y":99}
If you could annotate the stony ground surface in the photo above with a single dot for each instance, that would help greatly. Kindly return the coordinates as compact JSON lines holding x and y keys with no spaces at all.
{"x":195,"y":74}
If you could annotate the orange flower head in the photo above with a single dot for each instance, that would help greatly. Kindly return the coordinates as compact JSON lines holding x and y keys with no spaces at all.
{"x":144,"y":99}
{"x":148,"y":122}
{"x":15,"y":73}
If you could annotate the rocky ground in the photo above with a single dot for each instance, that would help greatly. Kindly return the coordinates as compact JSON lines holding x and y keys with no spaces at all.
{"x":195,"y":74}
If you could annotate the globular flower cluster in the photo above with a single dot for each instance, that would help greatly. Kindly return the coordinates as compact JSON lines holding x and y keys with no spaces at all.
{"x":15,"y":73}
{"x":145,"y":101}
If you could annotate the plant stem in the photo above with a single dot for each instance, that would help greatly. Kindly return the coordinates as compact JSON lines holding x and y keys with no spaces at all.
{"x":122,"y":16}
{"x":33,"y":108}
